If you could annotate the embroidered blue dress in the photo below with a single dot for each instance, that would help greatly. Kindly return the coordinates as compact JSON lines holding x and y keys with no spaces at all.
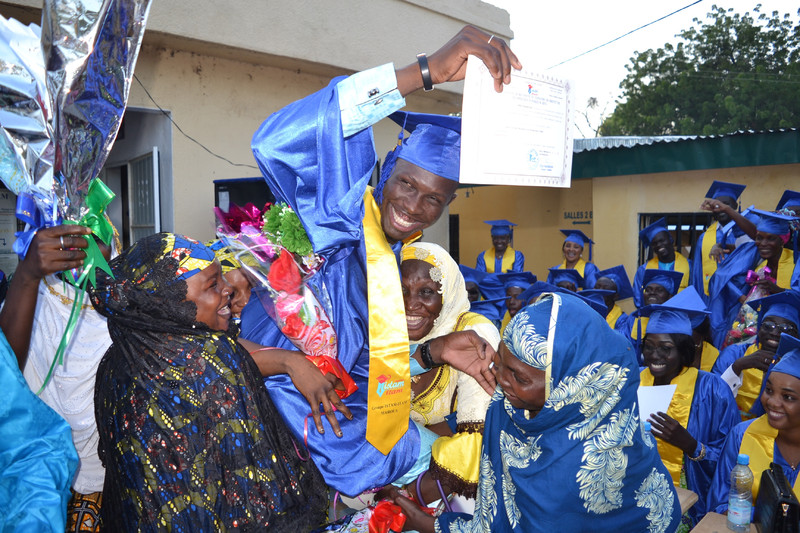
{"x":583,"y":463}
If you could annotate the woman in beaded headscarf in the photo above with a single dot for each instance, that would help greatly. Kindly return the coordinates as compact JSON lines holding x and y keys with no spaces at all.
{"x":436,"y":303}
{"x":563,"y":447}
{"x":188,"y":434}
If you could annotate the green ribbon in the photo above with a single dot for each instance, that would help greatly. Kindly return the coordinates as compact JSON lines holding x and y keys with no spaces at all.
{"x":97,"y":199}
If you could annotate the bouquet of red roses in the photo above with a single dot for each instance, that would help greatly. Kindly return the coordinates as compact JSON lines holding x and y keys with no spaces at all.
{"x":279,"y":259}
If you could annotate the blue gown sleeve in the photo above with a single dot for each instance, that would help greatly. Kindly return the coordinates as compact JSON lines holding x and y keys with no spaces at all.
{"x":37,"y":456}
{"x":638,"y":297}
{"x":519,"y":262}
{"x":727,"y":357}
{"x":720,"y":484}
{"x":480,"y":263}
{"x":714,"y":414}
{"x":590,"y":275}
{"x":726,"y":286}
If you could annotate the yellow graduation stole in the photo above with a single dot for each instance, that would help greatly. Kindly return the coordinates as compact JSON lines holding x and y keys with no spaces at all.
{"x":679,"y":409}
{"x":580,"y":266}
{"x":751,"y":383}
{"x":758,"y":442}
{"x":505,"y":321}
{"x":709,"y":264}
{"x":389,"y":385}
{"x":613,"y":315}
{"x":785,"y":268}
{"x":506,"y":264}
{"x":635,"y":329}
{"x":708,"y":357}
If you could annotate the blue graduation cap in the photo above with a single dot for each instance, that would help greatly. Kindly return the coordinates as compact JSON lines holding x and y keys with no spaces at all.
{"x":489,"y":285}
{"x":774,"y":223}
{"x":788,"y":355}
{"x":649,"y":233}
{"x":620,"y":278}
{"x":669,"y":279}
{"x":536,"y":289}
{"x":690,"y":301}
{"x":596,"y":298}
{"x":491,"y":309}
{"x":501,"y":227}
{"x":434,"y":143}
{"x":784,"y":304}
{"x":789,"y":199}
{"x":570,"y":275}
{"x":680,"y":314}
{"x":579,"y":238}
{"x":722,"y":188}
{"x":523,"y":280}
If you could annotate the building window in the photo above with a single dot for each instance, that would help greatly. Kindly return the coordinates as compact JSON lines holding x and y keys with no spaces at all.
{"x":685,"y":229}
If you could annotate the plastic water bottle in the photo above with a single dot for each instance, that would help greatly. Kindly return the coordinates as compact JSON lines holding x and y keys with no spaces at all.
{"x":740,"y":501}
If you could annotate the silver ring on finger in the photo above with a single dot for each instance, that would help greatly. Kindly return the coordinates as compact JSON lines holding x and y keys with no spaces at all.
{"x":490,"y":40}
{"x":61,"y":239}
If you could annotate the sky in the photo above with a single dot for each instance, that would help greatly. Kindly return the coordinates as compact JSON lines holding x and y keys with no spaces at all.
{"x":547,"y":33}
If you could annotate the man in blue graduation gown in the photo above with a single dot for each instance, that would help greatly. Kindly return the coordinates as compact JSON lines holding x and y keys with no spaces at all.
{"x":317,"y":154}
{"x":501,"y":257}
{"x":720,"y":232}
{"x":656,"y":236}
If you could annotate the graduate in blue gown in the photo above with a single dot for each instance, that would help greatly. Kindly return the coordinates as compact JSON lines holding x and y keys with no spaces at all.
{"x":702,"y":411}
{"x":37,"y":456}
{"x":572,"y":249}
{"x":772,"y":437}
{"x":501,"y":258}
{"x":317,"y":155}
{"x":658,"y":239}
{"x":728,"y":288}
{"x":615,"y":279}
{"x":719,"y":232}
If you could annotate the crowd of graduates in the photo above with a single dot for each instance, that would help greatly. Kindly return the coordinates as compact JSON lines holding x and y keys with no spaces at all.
{"x":717,"y":325}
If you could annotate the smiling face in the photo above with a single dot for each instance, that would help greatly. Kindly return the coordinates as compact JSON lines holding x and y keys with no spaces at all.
{"x":769,"y":334}
{"x":209,"y":291}
{"x":500,"y":243}
{"x":514,"y":304}
{"x":413,"y":199}
{"x":523,"y":385}
{"x":661,"y":245}
{"x":241,"y":290}
{"x":572,"y":251}
{"x":781,"y":401}
{"x":661,"y":357}
{"x":655,"y":294}
{"x":423,"y":303}
{"x":770,"y":246}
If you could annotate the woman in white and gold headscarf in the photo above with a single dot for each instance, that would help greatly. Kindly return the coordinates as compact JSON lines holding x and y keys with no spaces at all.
{"x":436,"y":304}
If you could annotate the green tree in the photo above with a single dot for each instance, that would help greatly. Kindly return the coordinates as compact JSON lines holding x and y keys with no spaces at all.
{"x":734,"y":72}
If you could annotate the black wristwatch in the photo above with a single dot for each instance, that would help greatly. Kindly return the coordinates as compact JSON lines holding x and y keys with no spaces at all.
{"x":425,"y":355}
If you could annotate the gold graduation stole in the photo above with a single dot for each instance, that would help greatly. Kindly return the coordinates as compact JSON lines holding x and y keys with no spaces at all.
{"x":506,"y":264}
{"x":580,"y":266}
{"x":751,"y":383}
{"x":785,"y":268}
{"x":504,"y":323}
{"x":389,"y":386}
{"x":639,"y":327}
{"x":758,"y":442}
{"x":709,"y":264}
{"x":679,"y":409}
{"x":708,"y":357}
{"x":613,"y":315}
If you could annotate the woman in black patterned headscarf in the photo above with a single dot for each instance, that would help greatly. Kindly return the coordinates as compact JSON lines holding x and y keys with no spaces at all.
{"x":189,"y":436}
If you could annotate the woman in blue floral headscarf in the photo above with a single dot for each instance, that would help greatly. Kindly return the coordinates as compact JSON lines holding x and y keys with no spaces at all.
{"x":563,"y":447}
{"x":188,"y":434}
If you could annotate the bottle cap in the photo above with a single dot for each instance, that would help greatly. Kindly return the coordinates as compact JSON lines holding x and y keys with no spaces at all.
{"x":743,"y":459}
{"x":648,"y":426}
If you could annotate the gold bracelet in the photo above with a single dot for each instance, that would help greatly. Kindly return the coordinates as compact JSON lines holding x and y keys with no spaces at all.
{"x":701,"y":455}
